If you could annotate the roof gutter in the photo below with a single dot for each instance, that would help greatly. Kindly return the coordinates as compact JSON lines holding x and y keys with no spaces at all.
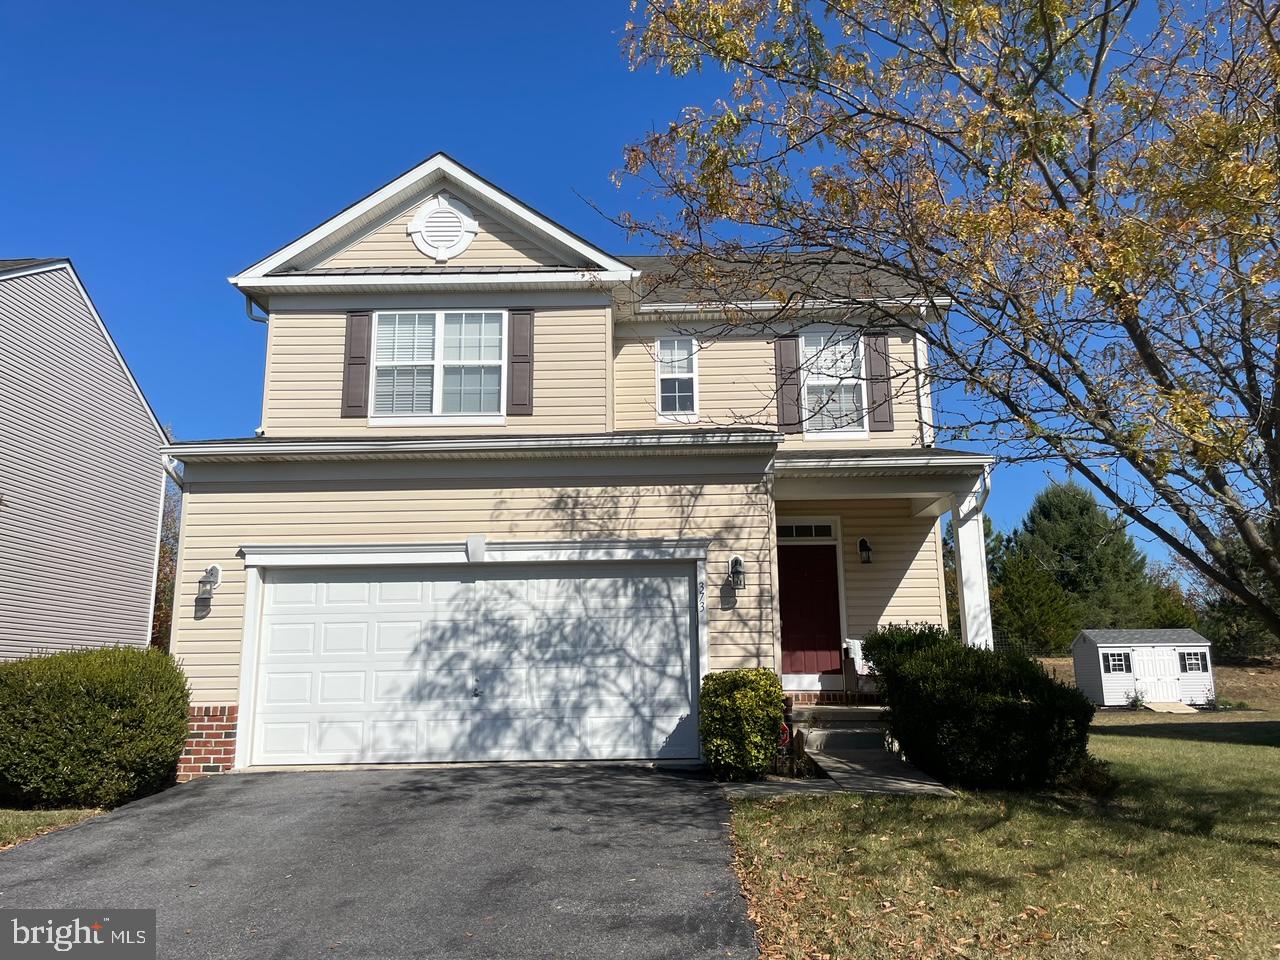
{"x":762,"y":306}
{"x":497,"y":447}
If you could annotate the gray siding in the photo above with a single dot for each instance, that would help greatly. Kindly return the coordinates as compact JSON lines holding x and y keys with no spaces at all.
{"x":1088,"y":670}
{"x":80,"y":476}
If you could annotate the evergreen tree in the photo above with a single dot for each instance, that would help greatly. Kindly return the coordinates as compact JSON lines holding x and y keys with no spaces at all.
{"x":1030,"y":609}
{"x":1089,"y":555}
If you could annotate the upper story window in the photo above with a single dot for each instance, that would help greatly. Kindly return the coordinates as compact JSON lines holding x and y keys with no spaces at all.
{"x":677,"y":378}
{"x":833,"y":379}
{"x":438,"y":363}
{"x":1195,"y":661}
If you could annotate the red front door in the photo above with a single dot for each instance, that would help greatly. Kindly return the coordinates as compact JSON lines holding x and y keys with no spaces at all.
{"x":809,"y":598}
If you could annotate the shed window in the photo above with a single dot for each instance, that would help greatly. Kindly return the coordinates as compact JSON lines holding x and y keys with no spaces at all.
{"x":1194,"y":662}
{"x":1116,"y":663}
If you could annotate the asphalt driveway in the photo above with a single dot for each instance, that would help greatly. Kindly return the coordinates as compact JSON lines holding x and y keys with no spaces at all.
{"x":496,"y":863}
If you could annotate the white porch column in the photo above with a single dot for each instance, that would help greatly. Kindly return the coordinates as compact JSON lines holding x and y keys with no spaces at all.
{"x":971,"y":567}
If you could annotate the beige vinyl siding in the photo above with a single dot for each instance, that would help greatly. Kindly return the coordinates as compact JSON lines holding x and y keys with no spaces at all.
{"x":304,"y":377}
{"x":729,"y":389}
{"x":80,"y":476}
{"x":737,"y":384}
{"x":902,"y":582}
{"x":390,"y":245}
{"x":727,"y":500}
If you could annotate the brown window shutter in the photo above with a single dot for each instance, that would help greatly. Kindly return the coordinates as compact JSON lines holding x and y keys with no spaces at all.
{"x":520,"y":363}
{"x":355,"y":367}
{"x":879,"y":385}
{"x":786,"y":359}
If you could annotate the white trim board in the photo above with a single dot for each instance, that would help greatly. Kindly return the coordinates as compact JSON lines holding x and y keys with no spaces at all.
{"x":439,"y":166}
{"x":428,"y":281}
{"x":457,"y":552}
{"x":615,"y":444}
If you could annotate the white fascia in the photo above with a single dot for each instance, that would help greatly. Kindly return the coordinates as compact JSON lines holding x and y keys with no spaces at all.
{"x":615,"y":443}
{"x":969,"y":463}
{"x":458,"y":281}
{"x":759,"y":306}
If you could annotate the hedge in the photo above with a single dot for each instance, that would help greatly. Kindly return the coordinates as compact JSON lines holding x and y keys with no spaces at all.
{"x":982,"y":718}
{"x":739,"y":719}
{"x":90,"y":728}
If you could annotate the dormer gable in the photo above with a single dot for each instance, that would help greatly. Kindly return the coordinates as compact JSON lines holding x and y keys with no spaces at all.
{"x":438,"y":219}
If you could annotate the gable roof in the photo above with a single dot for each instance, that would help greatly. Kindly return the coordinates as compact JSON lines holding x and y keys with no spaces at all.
{"x":1180,"y":636}
{"x":12,"y":269}
{"x":802,"y":276}
{"x":7,"y":266}
{"x":439,"y":167}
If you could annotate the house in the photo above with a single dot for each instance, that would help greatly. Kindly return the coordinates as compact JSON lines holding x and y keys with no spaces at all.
{"x":512,"y":496}
{"x":1158,"y":666}
{"x":81,"y":476}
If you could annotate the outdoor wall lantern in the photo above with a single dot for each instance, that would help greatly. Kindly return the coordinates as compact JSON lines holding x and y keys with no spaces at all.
{"x":864,"y":550}
{"x":737,"y":573}
{"x":208,"y":583}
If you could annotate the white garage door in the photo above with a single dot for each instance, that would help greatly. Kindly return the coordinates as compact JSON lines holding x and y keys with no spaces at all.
{"x":514,"y":662}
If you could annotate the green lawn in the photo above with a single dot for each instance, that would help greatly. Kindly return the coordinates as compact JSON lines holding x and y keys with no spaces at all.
{"x":1183,"y":862}
{"x":19,"y":825}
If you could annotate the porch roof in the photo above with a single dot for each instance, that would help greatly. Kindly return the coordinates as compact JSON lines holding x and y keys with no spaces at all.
{"x":932,"y":478}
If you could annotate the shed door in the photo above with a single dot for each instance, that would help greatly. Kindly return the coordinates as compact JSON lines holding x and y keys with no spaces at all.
{"x":1155,"y":674}
{"x":514,"y":662}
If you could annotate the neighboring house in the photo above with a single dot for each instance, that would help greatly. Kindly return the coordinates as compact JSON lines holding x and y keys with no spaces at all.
{"x":81,"y":475}
{"x":512,"y":496}
{"x":1159,"y":666}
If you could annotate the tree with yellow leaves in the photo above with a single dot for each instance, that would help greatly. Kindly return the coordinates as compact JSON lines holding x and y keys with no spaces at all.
{"x":1087,"y":193}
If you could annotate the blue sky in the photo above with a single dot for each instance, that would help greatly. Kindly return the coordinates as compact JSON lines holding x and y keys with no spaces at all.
{"x":163,"y":147}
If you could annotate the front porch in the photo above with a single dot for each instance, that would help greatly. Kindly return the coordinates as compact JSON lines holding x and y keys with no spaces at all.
{"x":859,"y":545}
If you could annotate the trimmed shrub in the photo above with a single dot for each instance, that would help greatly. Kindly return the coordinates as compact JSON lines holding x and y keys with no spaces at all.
{"x":985,"y":719}
{"x":90,"y":728}
{"x":739,"y":719}
{"x":887,"y":647}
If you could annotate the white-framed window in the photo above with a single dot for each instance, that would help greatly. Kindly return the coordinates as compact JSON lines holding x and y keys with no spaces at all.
{"x":833,"y":389}
{"x":676,"y":359}
{"x":1194,"y":661}
{"x":1116,"y":663}
{"x":438,"y":364}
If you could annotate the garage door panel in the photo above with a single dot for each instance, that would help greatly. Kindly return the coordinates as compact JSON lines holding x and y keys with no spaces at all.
{"x":344,"y":638}
{"x":289,"y":639}
{"x":553,"y":661}
{"x":343,"y":687}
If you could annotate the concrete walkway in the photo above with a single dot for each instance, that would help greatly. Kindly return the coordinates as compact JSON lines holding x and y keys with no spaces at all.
{"x":848,"y":743}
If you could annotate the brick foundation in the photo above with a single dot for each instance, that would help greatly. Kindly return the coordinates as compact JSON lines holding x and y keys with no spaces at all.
{"x":211,"y":742}
{"x":811,"y":698}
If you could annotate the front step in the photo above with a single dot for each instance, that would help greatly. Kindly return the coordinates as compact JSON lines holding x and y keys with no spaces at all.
{"x":836,"y":739}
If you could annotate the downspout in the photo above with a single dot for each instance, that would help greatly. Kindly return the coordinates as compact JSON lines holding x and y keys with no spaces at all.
{"x":249,"y":304}
{"x":171,"y":469}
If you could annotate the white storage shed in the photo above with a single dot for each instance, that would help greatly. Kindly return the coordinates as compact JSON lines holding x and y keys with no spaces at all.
{"x":1160,"y":666}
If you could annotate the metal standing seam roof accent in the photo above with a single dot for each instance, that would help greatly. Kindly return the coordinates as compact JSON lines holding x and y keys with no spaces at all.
{"x":432,"y":270}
